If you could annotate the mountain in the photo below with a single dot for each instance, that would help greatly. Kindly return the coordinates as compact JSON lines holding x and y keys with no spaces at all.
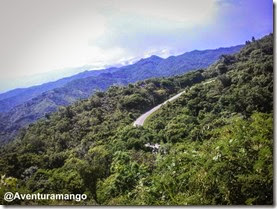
{"x":155,"y":66}
{"x":36,"y":102}
{"x":12,"y":98}
{"x":211,"y":146}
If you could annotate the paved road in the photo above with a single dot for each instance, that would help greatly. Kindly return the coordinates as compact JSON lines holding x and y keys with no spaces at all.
{"x":140,"y":121}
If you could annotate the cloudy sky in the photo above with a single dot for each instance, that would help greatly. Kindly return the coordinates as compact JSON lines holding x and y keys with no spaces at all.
{"x":40,"y":38}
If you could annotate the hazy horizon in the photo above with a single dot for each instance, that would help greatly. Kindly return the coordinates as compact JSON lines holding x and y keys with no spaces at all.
{"x":52,"y":76}
{"x":40,"y":37}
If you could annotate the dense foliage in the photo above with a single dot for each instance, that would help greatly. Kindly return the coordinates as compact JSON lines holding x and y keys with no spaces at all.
{"x":216,"y":140}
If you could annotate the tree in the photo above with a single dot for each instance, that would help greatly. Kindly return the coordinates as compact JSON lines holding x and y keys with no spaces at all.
{"x":95,"y":167}
{"x":225,"y":80}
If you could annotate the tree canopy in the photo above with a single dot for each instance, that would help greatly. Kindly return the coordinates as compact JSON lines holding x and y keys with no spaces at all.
{"x":216,"y":140}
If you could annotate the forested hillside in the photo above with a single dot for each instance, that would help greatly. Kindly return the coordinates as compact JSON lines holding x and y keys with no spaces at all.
{"x":216,"y":140}
{"x":21,"y":107}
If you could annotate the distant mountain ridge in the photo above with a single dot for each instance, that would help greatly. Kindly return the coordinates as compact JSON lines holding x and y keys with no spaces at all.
{"x":41,"y":100}
{"x":14,"y":97}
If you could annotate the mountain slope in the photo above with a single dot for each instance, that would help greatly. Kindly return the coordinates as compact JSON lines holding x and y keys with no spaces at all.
{"x":49,"y":101}
{"x":215,"y":142}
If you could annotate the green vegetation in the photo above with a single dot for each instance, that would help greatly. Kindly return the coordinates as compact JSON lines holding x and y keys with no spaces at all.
{"x":216,"y":140}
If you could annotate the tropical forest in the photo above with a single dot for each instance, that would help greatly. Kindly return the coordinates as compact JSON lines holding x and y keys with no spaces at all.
{"x":213,"y":145}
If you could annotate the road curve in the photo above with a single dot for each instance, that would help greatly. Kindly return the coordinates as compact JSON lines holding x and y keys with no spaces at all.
{"x":140,"y":121}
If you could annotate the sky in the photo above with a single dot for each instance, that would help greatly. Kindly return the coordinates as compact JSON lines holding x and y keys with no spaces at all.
{"x":46,"y":40}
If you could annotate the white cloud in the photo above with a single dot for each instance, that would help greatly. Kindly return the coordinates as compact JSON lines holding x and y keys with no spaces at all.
{"x":140,"y":27}
{"x":63,"y":45}
{"x":185,"y":11}
{"x":164,"y":53}
{"x":69,"y":33}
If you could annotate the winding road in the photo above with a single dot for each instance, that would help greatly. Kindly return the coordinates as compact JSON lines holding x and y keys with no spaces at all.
{"x":140,"y":121}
